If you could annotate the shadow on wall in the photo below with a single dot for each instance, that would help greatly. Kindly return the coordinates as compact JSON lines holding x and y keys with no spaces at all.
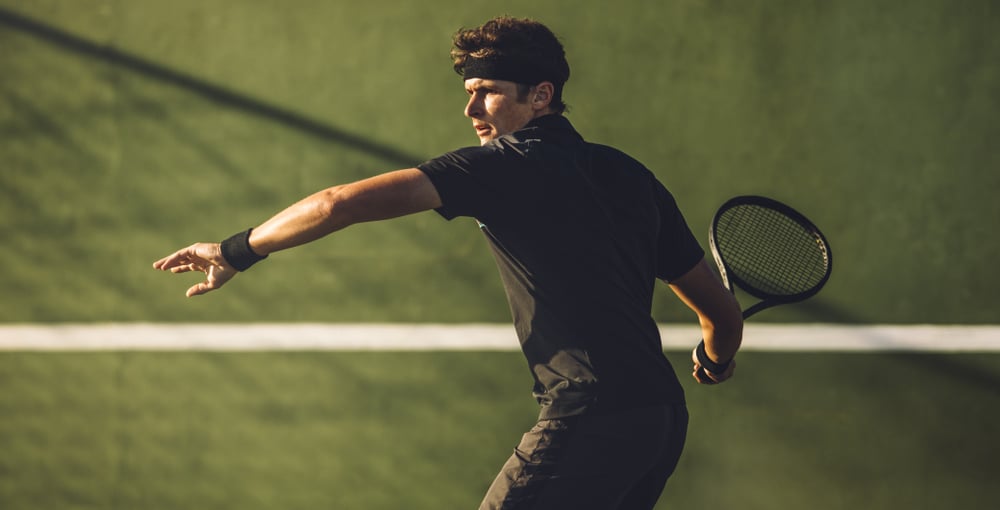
{"x":208,"y":90}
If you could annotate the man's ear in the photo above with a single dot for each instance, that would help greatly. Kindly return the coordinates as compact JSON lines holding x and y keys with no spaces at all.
{"x":542,"y":95}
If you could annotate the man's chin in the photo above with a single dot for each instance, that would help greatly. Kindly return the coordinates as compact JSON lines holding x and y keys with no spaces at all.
{"x":485,"y":135}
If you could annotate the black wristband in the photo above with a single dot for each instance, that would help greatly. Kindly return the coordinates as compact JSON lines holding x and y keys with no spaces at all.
{"x":236,"y":250}
{"x":707,"y":363}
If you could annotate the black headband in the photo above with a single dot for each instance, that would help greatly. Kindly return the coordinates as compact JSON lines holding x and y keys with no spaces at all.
{"x":507,"y":69}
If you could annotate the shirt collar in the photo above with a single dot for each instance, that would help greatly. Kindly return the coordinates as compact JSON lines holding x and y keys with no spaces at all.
{"x":549,"y":127}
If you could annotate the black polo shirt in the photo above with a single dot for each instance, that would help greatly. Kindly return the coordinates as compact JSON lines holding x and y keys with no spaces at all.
{"x":580,"y":233}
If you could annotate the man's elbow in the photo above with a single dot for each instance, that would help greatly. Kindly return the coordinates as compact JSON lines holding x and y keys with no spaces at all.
{"x":336,"y":208}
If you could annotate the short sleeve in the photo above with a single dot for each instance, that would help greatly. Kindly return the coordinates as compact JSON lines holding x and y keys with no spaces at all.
{"x":677,"y":248}
{"x":470,"y":181}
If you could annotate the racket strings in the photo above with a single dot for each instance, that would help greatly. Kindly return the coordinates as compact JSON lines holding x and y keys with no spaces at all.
{"x":769,"y":251}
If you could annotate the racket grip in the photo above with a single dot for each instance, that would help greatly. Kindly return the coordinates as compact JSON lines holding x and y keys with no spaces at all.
{"x":707,"y":363}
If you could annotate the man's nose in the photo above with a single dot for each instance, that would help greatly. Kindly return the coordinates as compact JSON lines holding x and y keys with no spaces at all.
{"x":474,"y":108}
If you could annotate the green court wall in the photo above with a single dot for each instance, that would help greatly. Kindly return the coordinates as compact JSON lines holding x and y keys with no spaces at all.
{"x":130,"y":129}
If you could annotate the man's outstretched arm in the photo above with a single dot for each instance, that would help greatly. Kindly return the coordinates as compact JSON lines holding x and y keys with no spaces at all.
{"x":385,"y":196}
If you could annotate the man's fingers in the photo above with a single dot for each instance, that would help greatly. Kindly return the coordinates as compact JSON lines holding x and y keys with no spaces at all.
{"x":186,"y":268}
{"x":162,"y":263}
{"x":201,"y":257}
{"x":179,"y":257}
{"x":702,"y":376}
{"x":215,"y":281}
{"x":199,"y":289}
{"x":168,"y":261}
{"x":185,"y":257}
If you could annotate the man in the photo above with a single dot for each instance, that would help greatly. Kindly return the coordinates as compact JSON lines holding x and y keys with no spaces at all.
{"x":580,"y":233}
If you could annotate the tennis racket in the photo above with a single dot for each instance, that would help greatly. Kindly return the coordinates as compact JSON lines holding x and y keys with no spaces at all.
{"x":770,"y":251}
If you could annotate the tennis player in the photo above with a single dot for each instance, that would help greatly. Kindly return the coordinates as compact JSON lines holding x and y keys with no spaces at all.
{"x":580,"y":233}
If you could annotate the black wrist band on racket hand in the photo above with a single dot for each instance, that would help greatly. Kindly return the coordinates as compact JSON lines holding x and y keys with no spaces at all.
{"x":707,"y":363}
{"x":236,"y":250}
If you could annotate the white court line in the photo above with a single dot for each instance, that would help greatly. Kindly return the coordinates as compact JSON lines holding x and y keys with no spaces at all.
{"x":313,"y":336}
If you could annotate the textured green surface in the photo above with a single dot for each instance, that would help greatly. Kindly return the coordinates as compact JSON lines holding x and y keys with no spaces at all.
{"x":130,"y":129}
{"x":429,"y":431}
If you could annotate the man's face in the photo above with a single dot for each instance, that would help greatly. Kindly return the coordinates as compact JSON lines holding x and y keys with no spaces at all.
{"x":494,"y":108}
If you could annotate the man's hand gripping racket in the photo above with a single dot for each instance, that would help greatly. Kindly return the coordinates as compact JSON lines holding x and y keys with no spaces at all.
{"x":770,"y":251}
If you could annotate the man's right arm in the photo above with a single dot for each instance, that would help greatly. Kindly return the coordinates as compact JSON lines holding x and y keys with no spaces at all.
{"x":377,"y":198}
{"x":381,"y":197}
{"x":718,"y":314}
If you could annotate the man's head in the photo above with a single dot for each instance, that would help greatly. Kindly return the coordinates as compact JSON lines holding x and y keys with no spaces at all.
{"x":514,"y":70}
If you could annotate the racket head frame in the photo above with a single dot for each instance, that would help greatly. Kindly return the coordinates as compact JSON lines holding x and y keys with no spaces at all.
{"x":731,"y":278}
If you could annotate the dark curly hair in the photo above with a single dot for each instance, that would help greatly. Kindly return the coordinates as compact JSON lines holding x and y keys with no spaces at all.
{"x":520,"y":40}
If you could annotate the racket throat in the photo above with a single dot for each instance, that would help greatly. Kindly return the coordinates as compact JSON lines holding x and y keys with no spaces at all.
{"x":756,"y":307}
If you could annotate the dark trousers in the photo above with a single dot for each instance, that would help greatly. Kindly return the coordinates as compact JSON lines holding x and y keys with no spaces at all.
{"x":606,"y":462}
